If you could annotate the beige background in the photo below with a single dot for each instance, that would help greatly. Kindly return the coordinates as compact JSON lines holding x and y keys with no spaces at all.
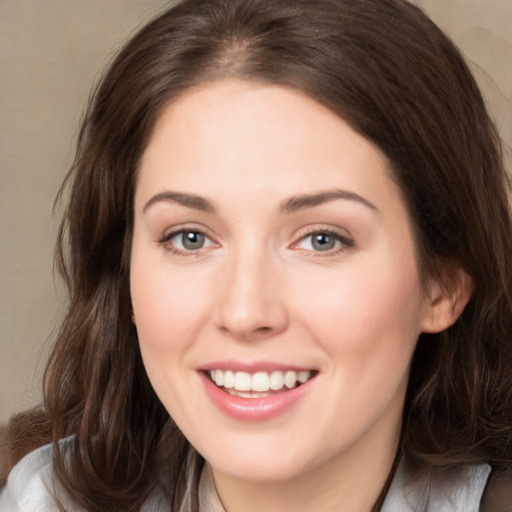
{"x":51,"y":51}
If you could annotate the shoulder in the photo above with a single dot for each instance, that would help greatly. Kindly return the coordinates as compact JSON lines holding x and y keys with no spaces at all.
{"x":461,"y":489}
{"x":431,"y":490}
{"x":29,"y":486}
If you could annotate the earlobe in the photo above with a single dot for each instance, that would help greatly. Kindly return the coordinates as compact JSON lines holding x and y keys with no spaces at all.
{"x":446,"y":302}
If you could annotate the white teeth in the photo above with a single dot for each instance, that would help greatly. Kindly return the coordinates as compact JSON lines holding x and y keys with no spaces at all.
{"x":276,"y":380}
{"x":259,"y":382}
{"x":219,"y":378}
{"x":242,"y":381}
{"x":229,"y":379}
{"x":247,"y":394}
{"x":290,"y":379}
{"x":301,"y":377}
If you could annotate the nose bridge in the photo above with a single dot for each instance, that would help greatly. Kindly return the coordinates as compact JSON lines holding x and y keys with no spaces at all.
{"x":250,"y":303}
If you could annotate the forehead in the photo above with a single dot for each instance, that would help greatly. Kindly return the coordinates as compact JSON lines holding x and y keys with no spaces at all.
{"x":243,"y":131}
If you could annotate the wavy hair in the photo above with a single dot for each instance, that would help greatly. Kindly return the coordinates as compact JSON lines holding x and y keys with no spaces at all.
{"x":388,"y":71}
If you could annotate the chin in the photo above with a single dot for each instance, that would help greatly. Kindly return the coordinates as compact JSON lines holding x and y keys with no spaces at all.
{"x":260,"y":461}
{"x":259,"y":471}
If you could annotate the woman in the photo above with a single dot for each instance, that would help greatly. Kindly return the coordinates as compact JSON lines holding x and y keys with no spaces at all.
{"x":286,"y":245}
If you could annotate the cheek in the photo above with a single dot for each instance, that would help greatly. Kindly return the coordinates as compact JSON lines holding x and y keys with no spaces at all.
{"x":372,"y":307}
{"x":166,"y":305}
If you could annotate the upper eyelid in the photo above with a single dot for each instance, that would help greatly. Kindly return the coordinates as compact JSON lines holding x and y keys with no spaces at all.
{"x":165,"y":242}
{"x":342,"y":234}
{"x":338,"y":232}
{"x":175,"y":230}
{"x":346,"y":239}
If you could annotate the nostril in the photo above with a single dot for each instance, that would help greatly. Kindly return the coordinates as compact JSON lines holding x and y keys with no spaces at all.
{"x":263,"y":329}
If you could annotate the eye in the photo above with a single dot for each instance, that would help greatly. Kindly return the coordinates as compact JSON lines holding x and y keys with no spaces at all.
{"x":324,"y":241}
{"x":186,"y":241}
{"x":189,"y":240}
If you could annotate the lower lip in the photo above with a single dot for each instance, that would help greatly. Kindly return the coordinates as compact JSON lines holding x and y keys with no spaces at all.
{"x":253,"y":409}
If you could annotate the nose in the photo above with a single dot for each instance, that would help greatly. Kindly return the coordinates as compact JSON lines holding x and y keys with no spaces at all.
{"x":250,"y":304}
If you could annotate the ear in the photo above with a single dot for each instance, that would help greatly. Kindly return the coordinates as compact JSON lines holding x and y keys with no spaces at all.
{"x":447,"y":300}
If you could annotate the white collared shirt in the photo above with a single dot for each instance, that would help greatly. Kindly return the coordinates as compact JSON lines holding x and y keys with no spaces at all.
{"x":29,"y":489}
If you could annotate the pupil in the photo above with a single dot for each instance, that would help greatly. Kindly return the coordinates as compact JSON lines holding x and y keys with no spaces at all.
{"x":192,"y":240}
{"x":323,"y":242}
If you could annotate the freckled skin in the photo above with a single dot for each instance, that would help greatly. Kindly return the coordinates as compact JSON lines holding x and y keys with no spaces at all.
{"x":258,"y":289}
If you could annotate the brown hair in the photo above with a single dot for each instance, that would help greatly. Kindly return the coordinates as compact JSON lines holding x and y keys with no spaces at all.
{"x":387,"y":70}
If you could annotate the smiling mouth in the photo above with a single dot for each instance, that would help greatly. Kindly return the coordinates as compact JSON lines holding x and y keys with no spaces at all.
{"x":259,"y":384}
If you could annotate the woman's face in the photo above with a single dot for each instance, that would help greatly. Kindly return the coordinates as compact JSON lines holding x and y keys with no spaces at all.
{"x":273,"y":253}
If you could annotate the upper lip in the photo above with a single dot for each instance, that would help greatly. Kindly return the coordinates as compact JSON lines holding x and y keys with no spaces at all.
{"x":253,"y":366}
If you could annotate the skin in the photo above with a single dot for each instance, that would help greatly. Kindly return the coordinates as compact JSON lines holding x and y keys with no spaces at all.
{"x":259,"y":290}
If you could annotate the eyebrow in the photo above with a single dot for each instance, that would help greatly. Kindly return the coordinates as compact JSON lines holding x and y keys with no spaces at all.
{"x":188,"y":200}
{"x":293,"y":204}
{"x":302,"y":202}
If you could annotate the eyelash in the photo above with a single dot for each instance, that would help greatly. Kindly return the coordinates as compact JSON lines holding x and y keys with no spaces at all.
{"x":343,"y":241}
{"x":166,"y":239}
